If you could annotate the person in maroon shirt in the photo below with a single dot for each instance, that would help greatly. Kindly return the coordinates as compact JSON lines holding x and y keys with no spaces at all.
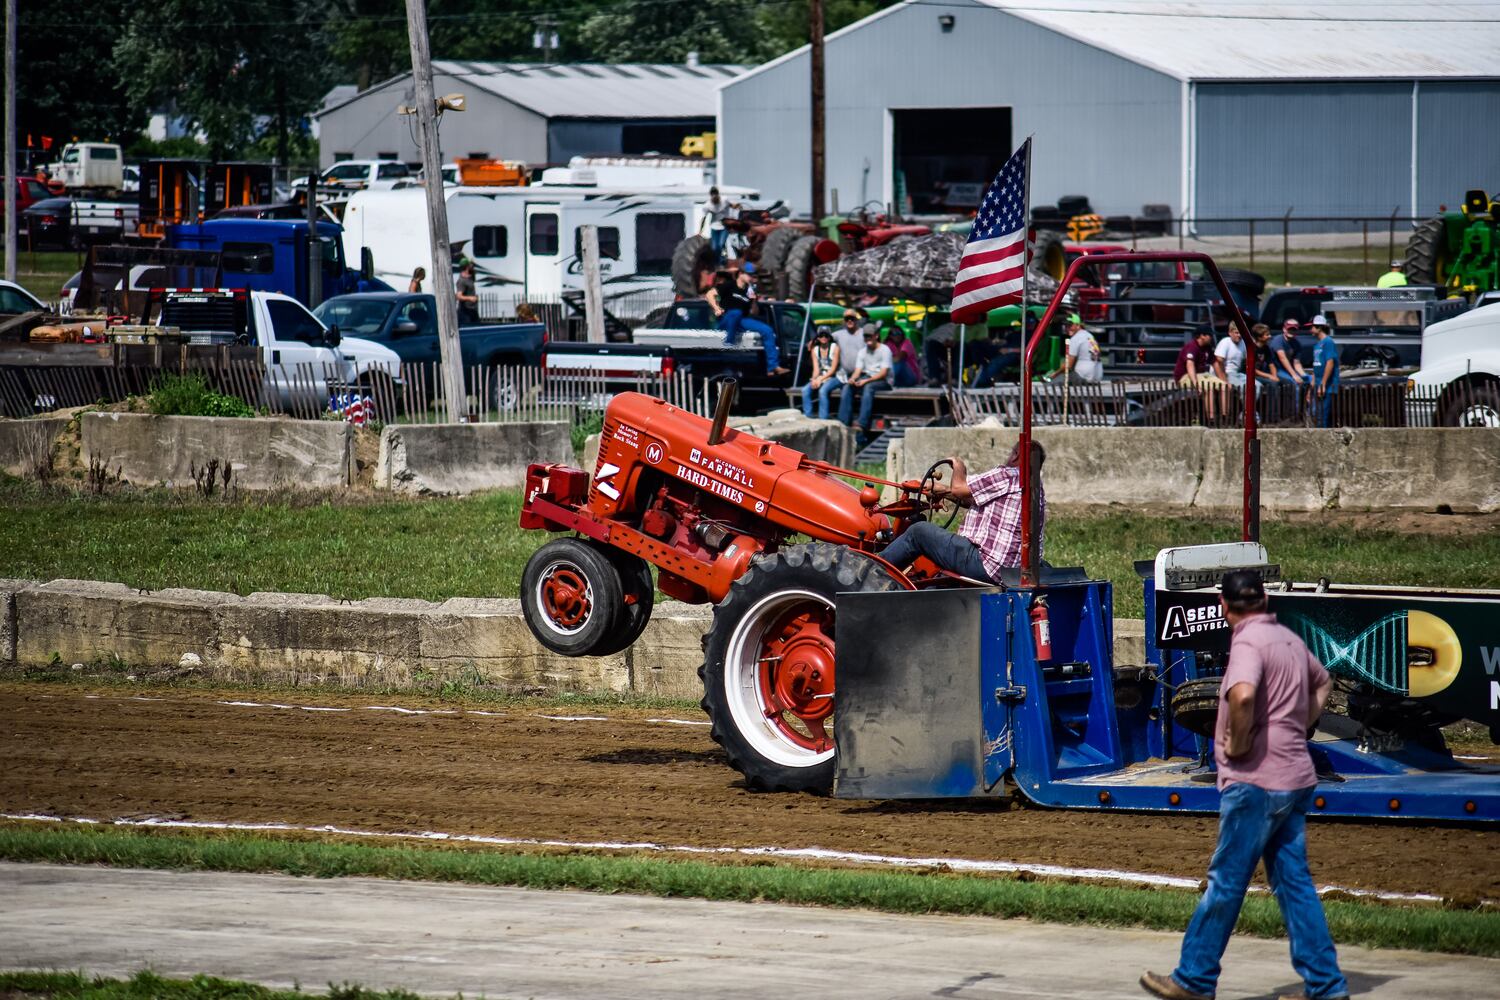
{"x":1195,"y":369}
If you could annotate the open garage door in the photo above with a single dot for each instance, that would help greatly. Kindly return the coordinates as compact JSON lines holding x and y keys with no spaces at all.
{"x":945,"y":157}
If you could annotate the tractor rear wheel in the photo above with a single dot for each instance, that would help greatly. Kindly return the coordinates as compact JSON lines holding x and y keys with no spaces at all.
{"x":571,"y":597}
{"x":769,"y":659}
{"x":1048,"y":257}
{"x":1195,"y":705}
{"x":800,"y":260}
{"x":693,"y":266}
{"x":774,"y":247}
{"x":1426,"y":261}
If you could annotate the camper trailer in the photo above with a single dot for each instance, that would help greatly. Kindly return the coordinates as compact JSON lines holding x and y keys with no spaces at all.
{"x":525,"y":241}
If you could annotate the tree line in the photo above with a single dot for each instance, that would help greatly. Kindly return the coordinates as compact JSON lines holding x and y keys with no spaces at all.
{"x":247,"y":73}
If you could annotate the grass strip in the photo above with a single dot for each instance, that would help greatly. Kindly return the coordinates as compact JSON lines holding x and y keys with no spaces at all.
{"x":147,"y":984}
{"x":1360,"y":923}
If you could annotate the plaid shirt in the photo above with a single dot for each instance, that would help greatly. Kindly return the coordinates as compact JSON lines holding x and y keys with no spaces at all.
{"x":993,"y":524}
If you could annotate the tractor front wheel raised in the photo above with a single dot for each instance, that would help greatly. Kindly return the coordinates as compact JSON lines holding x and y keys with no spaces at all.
{"x":769,"y":663}
{"x":572,"y":596}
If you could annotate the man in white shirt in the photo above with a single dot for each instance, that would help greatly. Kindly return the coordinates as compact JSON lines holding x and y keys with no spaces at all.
{"x":1081,"y":363}
{"x":715,"y":211}
{"x":851,"y":341}
{"x":1229,"y":357}
{"x":872,"y":374}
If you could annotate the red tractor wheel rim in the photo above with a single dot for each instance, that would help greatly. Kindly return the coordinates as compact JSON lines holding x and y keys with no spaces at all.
{"x":796,"y":677}
{"x":566,"y":597}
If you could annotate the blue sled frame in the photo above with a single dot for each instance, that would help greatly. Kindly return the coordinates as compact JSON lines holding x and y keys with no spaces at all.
{"x":940,"y":695}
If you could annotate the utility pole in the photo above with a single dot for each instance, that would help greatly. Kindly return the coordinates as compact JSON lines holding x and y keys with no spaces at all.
{"x":545,"y":36}
{"x":437,"y":210}
{"x":314,"y":247}
{"x":593,"y":289}
{"x":815,"y":33}
{"x":11,"y":222}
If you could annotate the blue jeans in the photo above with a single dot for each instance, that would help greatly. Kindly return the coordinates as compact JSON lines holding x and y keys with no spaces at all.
{"x":866,"y":402}
{"x":734,"y":322}
{"x":949,"y":550}
{"x":716,"y":238}
{"x":1255,"y":824}
{"x":997,"y":366}
{"x":824,"y":391}
{"x":904,"y":377}
{"x":1325,"y":407}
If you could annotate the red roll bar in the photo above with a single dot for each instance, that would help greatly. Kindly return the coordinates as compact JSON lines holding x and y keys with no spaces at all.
{"x":1250,"y":519}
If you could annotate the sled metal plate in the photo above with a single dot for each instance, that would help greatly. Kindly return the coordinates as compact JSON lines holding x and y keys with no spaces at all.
{"x":909,"y":719}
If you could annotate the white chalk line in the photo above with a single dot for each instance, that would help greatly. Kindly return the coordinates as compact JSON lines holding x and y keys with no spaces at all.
{"x":807,"y":853}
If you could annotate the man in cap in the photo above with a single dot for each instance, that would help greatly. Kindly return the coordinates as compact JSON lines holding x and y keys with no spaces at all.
{"x":1325,"y":372}
{"x":1081,"y":359}
{"x":1394,"y":278}
{"x":1271,"y":696}
{"x":872,"y":374}
{"x":1284,"y":348}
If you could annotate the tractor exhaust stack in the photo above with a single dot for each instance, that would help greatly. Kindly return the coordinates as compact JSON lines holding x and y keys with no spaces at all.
{"x":728,"y":389}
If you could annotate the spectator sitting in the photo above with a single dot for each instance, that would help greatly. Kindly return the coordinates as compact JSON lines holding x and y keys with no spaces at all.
{"x":937,"y":349}
{"x":907,"y":370}
{"x":1194,"y":369}
{"x":733,"y":300}
{"x":1284,"y":348}
{"x":850,"y":341}
{"x":1000,"y":355}
{"x":872,"y":374}
{"x":1081,"y":362}
{"x":823,"y":361}
{"x":1229,"y":357}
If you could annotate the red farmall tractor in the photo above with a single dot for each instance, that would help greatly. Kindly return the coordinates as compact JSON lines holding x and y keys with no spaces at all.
{"x":720,"y":513}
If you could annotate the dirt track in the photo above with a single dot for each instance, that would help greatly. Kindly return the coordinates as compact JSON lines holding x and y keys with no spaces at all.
{"x":626,"y":779}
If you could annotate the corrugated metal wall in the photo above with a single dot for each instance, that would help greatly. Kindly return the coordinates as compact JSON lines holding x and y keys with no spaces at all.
{"x":1316,"y":148}
{"x":1104,"y":127}
{"x":369,"y":125}
{"x":1458,"y":141}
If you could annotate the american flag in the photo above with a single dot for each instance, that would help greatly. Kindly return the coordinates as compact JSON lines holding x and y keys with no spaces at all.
{"x":994,"y":261}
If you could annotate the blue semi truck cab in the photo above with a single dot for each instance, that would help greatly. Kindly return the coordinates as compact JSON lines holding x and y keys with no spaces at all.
{"x":270,"y":255}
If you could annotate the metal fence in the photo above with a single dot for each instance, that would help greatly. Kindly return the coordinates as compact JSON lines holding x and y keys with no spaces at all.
{"x":508,"y":393}
{"x":1392,"y":403}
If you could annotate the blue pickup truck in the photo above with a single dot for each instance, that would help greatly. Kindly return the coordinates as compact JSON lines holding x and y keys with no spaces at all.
{"x":406,"y":322}
{"x":270,"y":255}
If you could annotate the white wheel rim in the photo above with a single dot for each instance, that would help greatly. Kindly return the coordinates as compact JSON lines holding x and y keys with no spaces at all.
{"x":1479,"y":415}
{"x":742,"y":681}
{"x":543,"y":603}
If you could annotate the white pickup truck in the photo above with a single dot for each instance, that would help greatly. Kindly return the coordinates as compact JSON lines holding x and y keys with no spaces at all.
{"x":1461,"y":360}
{"x":305,"y":361}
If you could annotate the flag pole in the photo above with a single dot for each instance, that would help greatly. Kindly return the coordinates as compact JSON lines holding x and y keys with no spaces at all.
{"x":1029,"y":555}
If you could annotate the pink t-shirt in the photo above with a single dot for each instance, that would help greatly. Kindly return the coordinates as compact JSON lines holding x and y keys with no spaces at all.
{"x":1274,"y":660}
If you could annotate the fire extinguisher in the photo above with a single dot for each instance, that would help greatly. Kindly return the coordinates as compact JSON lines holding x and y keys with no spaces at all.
{"x":1041,"y":629}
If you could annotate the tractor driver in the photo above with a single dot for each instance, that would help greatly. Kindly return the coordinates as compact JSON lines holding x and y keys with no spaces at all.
{"x":990,"y":538}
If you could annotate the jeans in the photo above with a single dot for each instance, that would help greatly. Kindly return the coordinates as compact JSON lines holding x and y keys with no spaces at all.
{"x":904,"y":377}
{"x":1325,"y":407}
{"x":949,"y":550}
{"x":997,"y":366}
{"x":734,"y":322}
{"x":824,"y":391}
{"x":866,"y":402}
{"x":1255,"y":824}
{"x":716,"y":238}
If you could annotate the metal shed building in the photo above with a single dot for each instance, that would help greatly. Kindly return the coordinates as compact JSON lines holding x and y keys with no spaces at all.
{"x":1216,"y":109}
{"x":532,"y":112}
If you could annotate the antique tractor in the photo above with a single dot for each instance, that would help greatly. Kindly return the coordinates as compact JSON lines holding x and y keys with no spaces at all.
{"x":718,"y":512}
{"x":1458,"y":251}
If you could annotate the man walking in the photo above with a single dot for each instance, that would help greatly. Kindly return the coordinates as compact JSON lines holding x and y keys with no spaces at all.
{"x":1273,"y":691}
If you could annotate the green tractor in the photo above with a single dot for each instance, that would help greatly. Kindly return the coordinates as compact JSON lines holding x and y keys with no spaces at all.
{"x":1459,"y":251}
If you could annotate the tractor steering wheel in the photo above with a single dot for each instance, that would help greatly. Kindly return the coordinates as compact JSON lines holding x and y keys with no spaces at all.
{"x":929,"y":480}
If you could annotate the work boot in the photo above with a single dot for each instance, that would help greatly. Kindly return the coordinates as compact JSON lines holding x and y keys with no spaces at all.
{"x":1167,"y":988}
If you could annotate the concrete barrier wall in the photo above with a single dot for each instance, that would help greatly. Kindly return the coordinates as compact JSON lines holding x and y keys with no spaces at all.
{"x":24,"y":442}
{"x":265,"y":452}
{"x":461,"y":458}
{"x":1301,"y":469}
{"x":311,"y":639}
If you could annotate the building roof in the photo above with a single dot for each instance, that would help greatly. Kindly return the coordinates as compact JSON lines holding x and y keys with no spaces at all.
{"x":1248,"y":40}
{"x":1243,"y":40}
{"x":590,"y":90}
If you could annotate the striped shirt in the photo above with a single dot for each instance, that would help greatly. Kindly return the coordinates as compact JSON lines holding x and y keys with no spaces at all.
{"x":993,"y":524}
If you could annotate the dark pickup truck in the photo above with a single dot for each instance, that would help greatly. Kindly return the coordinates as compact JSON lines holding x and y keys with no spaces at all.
{"x":685,"y":338}
{"x":407,"y":324}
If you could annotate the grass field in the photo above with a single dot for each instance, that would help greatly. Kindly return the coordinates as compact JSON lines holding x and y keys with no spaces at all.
{"x":147,"y":985}
{"x":472,"y":547}
{"x":42,"y":273}
{"x":1372,"y":924}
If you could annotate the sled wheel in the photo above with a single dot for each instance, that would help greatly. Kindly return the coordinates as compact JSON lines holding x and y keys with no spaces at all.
{"x":1195,"y":705}
{"x":768,"y":682}
{"x":571,"y":594}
